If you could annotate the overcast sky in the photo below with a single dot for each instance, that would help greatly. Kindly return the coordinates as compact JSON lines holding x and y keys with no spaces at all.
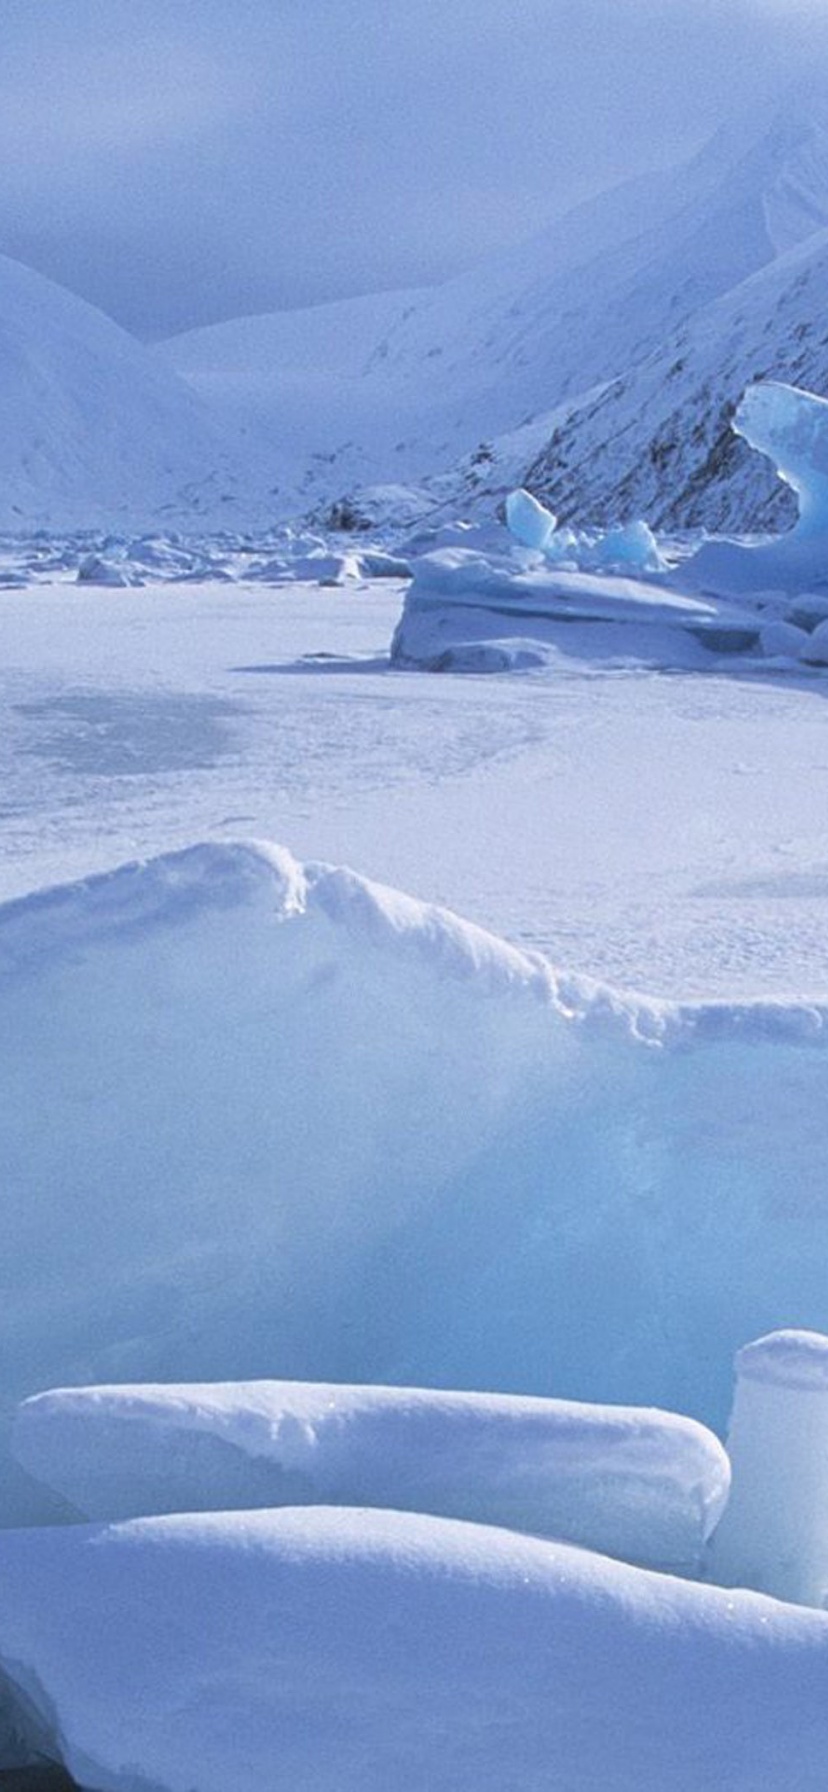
{"x":180,"y":161}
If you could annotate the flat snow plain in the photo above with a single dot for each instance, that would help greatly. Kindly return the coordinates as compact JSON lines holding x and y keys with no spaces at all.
{"x":663,"y":832}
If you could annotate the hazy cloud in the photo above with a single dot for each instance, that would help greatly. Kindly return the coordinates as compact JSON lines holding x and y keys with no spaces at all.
{"x":179,"y":160}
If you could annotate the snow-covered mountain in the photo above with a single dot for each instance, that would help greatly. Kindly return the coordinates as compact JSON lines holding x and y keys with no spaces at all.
{"x":297,"y":379}
{"x":95,"y":431}
{"x":658,"y":441}
{"x":598,"y":362}
{"x":589,"y":297}
{"x":400,"y":386}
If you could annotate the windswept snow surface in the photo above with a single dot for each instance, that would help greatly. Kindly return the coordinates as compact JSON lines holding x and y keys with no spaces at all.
{"x":352,"y":1651}
{"x":264,"y":1120}
{"x":645,"y":1486}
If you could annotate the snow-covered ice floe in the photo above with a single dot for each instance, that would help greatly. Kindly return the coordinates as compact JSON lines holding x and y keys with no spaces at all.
{"x":262,"y":1119}
{"x":612,"y":595}
{"x":466,"y":611}
{"x":351,"y":1651}
{"x":645,"y":1486}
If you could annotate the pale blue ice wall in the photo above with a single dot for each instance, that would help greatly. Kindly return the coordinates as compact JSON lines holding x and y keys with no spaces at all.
{"x":255,"y":1126}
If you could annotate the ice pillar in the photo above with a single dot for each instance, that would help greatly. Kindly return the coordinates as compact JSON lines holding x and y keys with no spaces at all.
{"x":774,"y":1532}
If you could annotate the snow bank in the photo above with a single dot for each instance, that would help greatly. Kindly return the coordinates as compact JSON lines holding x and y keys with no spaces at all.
{"x":645,"y":1486}
{"x":270,"y":1120}
{"x":343,"y":1651}
{"x":775,"y":1535}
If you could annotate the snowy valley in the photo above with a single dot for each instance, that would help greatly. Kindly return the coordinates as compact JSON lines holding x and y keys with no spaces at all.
{"x":414,"y":992}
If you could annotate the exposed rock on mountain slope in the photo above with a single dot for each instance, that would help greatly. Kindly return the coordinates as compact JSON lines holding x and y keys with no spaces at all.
{"x":551,"y":346}
{"x":401,"y":386}
{"x":658,"y":442}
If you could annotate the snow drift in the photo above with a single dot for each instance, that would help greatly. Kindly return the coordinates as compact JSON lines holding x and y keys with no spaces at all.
{"x":647,"y":1487}
{"x":262,"y":1120}
{"x":342,"y":1651}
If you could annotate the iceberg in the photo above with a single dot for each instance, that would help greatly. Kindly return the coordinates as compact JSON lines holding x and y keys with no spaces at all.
{"x":645,"y":1486}
{"x":613,"y":596}
{"x":331,"y":1650}
{"x":629,"y":547}
{"x":529,"y":520}
{"x":790,"y":426}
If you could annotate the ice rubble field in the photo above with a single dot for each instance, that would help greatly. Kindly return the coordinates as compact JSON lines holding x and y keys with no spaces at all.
{"x":264,"y":1117}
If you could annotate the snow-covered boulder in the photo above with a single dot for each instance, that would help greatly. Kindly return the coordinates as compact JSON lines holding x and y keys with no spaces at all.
{"x":349,"y":1651}
{"x":642,"y":1485}
{"x":774,"y":1536}
{"x":374,"y":563}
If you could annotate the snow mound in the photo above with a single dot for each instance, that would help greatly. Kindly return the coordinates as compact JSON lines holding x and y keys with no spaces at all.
{"x":647,"y":1487}
{"x":350,"y":1651}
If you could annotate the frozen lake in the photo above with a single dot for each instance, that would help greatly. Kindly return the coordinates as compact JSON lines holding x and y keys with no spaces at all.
{"x":663,"y":832}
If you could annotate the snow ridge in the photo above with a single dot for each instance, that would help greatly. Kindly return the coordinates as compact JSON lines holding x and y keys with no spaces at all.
{"x":213,"y":876}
